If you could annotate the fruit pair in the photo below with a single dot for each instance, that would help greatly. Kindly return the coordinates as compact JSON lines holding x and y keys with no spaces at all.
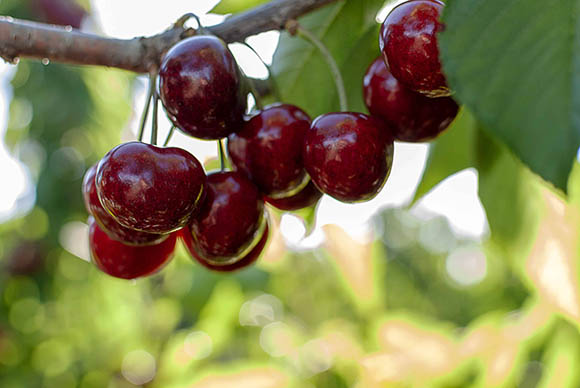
{"x":347,"y":155}
{"x":405,"y":87}
{"x":140,"y":195}
{"x":412,"y":116}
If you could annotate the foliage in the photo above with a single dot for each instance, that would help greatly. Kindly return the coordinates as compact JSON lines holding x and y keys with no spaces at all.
{"x":515,"y":66}
{"x":302,"y":74}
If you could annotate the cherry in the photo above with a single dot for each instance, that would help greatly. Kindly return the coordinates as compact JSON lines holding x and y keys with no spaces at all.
{"x":148,"y":188}
{"x":348,"y":155}
{"x":25,"y":258}
{"x":60,"y":12}
{"x":408,"y":40}
{"x":245,"y":261}
{"x":412,"y":116}
{"x":268,"y":149}
{"x":200,"y":86}
{"x":106,"y":221}
{"x":306,"y":197}
{"x":230,"y":221}
{"x":128,"y":261}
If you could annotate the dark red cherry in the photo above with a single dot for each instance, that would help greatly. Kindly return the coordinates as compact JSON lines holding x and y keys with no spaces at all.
{"x":230,"y":220}
{"x":268,"y":149}
{"x":408,"y":40}
{"x":128,"y":261}
{"x":243,"y":262}
{"x":201,"y":88}
{"x":60,"y":12}
{"x":306,"y":197}
{"x":106,"y":221}
{"x":25,"y":258}
{"x":412,"y":116}
{"x":348,"y":155}
{"x":148,"y":188}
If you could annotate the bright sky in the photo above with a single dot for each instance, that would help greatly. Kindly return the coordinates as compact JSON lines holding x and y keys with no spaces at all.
{"x":455,"y":198}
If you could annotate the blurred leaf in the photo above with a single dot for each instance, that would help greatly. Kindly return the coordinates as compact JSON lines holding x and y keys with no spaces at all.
{"x":574,"y":185}
{"x":516,"y":65}
{"x":214,"y":164}
{"x":510,"y":194}
{"x":560,"y":359}
{"x":400,"y":361}
{"x":353,"y":68}
{"x":303,"y":76}
{"x":265,"y":377}
{"x":449,"y":153}
{"x":220,"y":313}
{"x":234,"y":6}
{"x":276,"y":249}
{"x":354,"y":261}
{"x":552,"y":264}
{"x":308,"y":217}
{"x":501,"y":344}
{"x":110,"y":92}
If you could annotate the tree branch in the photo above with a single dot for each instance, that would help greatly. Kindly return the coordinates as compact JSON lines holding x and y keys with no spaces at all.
{"x":24,"y":39}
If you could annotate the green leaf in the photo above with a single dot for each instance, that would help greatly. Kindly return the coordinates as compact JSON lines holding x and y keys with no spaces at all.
{"x":508,"y":191}
{"x":559,"y":358}
{"x":516,"y":65}
{"x":308,"y":216}
{"x":234,"y":6}
{"x":350,"y":32}
{"x":450,"y":153}
{"x":574,"y":185}
{"x":511,"y":196}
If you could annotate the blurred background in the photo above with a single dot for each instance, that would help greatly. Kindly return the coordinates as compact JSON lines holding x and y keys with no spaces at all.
{"x":461,"y":273}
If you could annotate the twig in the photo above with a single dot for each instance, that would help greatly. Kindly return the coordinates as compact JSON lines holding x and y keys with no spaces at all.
{"x":24,"y":39}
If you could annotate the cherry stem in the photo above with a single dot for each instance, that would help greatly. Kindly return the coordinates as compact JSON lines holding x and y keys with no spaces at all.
{"x":255,"y":93}
{"x":169,"y":135}
{"x":155,"y":122}
{"x":182,"y":20}
{"x":294,"y":26}
{"x":147,"y":105}
{"x":180,"y":23}
{"x":273,"y":82}
{"x":222,"y":155}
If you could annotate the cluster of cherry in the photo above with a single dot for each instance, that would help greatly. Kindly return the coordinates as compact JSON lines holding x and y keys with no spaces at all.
{"x":143,"y":198}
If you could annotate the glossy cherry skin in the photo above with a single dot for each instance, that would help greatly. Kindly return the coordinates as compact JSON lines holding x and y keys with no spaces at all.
{"x":149,"y":188}
{"x":348,"y":155}
{"x":105,"y":220}
{"x":241,"y":263}
{"x":201,"y":88}
{"x":412,"y":116}
{"x":230,"y":220}
{"x":128,"y":261}
{"x":408,"y":41}
{"x":268,"y":149}
{"x":306,"y":197}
